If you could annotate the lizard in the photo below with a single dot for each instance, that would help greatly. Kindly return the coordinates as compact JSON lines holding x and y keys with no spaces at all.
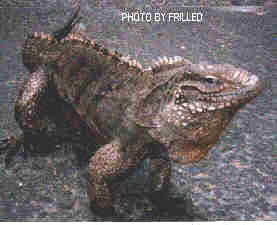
{"x":173,"y":110}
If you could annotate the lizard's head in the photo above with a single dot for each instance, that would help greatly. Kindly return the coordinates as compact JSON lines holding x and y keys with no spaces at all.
{"x":198,"y":103}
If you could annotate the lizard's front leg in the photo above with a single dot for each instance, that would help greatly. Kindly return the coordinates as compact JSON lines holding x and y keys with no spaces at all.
{"x":166,"y":202}
{"x":110,"y":163}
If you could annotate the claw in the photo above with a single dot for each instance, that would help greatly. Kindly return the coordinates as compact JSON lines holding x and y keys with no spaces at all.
{"x":63,"y":32}
{"x":11,"y":146}
{"x":4,"y":143}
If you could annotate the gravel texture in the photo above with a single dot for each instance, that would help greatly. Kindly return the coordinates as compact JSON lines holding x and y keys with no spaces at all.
{"x":238,"y":178}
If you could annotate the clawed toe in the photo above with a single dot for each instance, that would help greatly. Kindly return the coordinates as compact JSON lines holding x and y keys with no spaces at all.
{"x":5,"y":143}
{"x":10,"y":146}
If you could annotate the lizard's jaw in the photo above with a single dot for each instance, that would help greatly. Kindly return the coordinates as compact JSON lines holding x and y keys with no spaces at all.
{"x":189,"y":132}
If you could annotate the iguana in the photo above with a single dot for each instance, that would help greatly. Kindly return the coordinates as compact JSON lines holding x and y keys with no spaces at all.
{"x":174,"y":110}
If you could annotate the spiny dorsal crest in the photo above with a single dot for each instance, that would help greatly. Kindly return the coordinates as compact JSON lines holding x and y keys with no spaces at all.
{"x":163,"y":69}
{"x":164,"y":63}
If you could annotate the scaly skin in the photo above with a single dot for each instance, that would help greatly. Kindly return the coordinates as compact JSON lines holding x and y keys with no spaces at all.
{"x":174,"y":110}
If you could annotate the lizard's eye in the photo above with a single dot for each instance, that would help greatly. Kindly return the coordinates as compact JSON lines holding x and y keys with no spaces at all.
{"x":210,"y":79}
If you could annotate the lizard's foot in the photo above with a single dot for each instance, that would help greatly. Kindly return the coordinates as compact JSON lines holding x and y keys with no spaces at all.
{"x":10,"y":146}
{"x":30,"y":143}
{"x":107,"y":212}
{"x":173,"y":207}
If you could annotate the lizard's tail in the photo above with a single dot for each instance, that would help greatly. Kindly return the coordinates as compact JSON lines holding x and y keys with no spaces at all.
{"x":63,"y":32}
